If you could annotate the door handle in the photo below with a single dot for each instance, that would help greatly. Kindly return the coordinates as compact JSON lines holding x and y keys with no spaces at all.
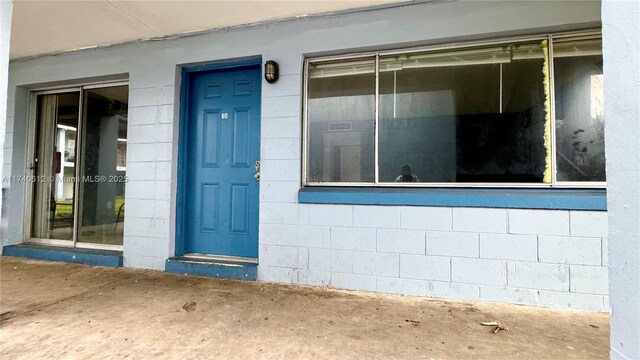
{"x":257,"y":174}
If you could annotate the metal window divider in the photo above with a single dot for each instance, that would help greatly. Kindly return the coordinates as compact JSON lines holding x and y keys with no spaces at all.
{"x":305,"y":110}
{"x":376,"y":121}
{"x":29,"y":165}
{"x":552,"y":108}
{"x":500,"y":96}
{"x":79,"y":155}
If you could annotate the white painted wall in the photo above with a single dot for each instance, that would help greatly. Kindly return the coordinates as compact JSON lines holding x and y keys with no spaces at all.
{"x":6,"y":11}
{"x":621,"y":52}
{"x":550,"y":258}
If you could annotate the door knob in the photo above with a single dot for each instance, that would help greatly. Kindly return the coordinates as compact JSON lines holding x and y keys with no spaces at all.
{"x":257,"y":176}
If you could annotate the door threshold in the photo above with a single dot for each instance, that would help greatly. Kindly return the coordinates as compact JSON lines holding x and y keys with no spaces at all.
{"x":217,"y":266}
{"x":220,"y":258}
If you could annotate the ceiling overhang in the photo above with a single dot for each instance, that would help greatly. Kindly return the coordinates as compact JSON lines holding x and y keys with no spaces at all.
{"x":43,"y":27}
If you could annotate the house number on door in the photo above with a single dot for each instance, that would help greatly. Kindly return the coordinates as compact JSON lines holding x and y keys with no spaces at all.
{"x":224,"y":116}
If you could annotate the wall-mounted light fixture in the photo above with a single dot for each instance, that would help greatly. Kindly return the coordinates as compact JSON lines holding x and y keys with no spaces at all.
{"x":271,"y":71}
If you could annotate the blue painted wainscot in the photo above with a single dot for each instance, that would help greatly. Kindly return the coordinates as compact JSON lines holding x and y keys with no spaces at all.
{"x":550,"y":199}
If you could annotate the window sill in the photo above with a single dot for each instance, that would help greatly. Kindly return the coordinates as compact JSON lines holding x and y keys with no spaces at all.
{"x":551,"y":199}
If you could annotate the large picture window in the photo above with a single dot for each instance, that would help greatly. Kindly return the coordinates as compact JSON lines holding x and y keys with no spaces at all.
{"x":520,"y":113}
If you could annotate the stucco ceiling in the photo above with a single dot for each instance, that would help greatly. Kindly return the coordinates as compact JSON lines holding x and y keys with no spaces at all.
{"x":40,"y":27}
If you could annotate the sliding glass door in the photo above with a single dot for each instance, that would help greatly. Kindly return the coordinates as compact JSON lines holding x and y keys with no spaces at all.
{"x":54,"y":165}
{"x":79,"y":167}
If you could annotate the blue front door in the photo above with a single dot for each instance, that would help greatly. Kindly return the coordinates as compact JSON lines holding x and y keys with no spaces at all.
{"x":222,"y":159}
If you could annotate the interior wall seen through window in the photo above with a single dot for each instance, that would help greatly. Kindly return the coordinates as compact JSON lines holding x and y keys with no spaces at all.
{"x":341,"y":114}
{"x":465,"y":116}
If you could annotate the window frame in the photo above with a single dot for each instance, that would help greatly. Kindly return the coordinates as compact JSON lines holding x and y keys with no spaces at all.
{"x":591,"y":33}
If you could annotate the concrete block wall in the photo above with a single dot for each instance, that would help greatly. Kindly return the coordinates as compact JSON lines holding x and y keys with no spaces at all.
{"x":535,"y":257}
{"x":149,"y":172}
{"x":620,"y":24}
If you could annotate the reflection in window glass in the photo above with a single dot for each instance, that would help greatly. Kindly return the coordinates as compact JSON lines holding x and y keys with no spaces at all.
{"x":103,"y":166}
{"x":474,"y":115}
{"x":340,"y":110}
{"x":54,"y":166}
{"x":579,"y":110}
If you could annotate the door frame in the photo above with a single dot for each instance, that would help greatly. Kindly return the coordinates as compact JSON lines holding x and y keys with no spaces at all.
{"x":187,"y":75}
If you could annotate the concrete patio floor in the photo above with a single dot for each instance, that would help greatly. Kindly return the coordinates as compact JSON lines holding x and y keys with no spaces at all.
{"x":56,"y":310}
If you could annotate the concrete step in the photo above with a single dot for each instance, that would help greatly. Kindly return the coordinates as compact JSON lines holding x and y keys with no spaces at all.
{"x":212,"y":268}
